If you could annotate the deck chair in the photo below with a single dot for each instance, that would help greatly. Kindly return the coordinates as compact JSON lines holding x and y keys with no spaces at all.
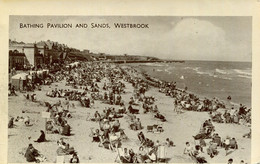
{"x":118,"y":135}
{"x":120,"y":152}
{"x":149,"y":128}
{"x":152,"y":154}
{"x":60,"y":159}
{"x":115,"y":139}
{"x":161,"y":153}
{"x":87,"y":117}
{"x":217,"y":140}
{"x":123,"y":136}
{"x":158,"y":129}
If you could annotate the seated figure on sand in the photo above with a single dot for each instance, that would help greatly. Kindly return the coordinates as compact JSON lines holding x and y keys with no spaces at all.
{"x":97,"y":116}
{"x":197,"y":155}
{"x":123,"y":136}
{"x":142,"y":156}
{"x":74,"y":158}
{"x":64,"y":149}
{"x":31,"y":154}
{"x":95,"y":135}
{"x":188,"y":150}
{"x":216,"y":139}
{"x":42,"y":137}
{"x":135,"y":124}
{"x":116,"y":126}
{"x":169,"y":142}
{"x":11,"y":123}
{"x":160,"y":116}
{"x":27,"y":120}
{"x":132,"y":110}
{"x":233,"y":143}
{"x":105,"y":143}
{"x":141,"y":137}
{"x":229,"y":143}
{"x":122,"y":109}
{"x":106,"y":128}
{"x":126,"y":157}
{"x":66,"y":129}
{"x":216,"y":117}
{"x":212,"y":149}
{"x":247,"y":135}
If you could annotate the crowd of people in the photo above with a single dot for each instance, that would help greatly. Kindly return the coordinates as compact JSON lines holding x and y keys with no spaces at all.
{"x":185,"y":101}
{"x":233,"y":116}
{"x":110,"y":135}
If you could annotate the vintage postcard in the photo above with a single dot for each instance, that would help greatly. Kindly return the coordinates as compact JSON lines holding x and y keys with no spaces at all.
{"x":131,"y":87}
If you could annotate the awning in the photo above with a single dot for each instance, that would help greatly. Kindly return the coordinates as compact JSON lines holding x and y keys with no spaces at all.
{"x":22,"y":76}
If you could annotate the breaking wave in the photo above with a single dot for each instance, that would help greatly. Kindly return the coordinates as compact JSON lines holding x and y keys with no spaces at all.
{"x":221,"y":71}
{"x":244,"y":76}
{"x":243,"y":72}
{"x":155,"y":64}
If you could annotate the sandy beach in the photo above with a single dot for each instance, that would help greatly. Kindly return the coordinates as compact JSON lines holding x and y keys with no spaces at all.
{"x":179,"y":128}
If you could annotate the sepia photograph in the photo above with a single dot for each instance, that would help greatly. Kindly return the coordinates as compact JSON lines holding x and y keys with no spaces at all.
{"x":129,"y":89}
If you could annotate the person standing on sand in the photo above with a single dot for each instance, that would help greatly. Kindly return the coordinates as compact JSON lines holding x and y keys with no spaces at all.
{"x":27,"y":121}
{"x":179,"y":108}
{"x":175,"y":105}
{"x":227,"y":144}
{"x":67,"y":103}
{"x":229,"y":100}
{"x":188,"y":149}
{"x":106,"y":128}
{"x":138,"y":124}
{"x":232,"y":114}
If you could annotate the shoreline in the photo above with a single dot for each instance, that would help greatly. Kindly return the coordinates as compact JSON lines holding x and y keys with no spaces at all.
{"x":143,"y":61}
{"x":155,"y":81}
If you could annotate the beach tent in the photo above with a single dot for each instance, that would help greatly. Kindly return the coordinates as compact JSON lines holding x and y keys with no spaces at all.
{"x":22,"y":76}
{"x":19,"y":80}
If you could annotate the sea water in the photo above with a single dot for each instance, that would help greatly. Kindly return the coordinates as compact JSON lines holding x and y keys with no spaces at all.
{"x":207,"y":78}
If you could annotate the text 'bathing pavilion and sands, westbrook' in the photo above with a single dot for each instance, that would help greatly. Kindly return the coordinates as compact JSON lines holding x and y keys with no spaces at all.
{"x":84,"y":25}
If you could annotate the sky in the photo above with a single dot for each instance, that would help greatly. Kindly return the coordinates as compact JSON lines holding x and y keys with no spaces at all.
{"x":168,"y":37}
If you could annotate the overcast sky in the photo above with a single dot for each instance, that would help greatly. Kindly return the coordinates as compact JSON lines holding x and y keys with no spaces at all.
{"x":187,"y":38}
